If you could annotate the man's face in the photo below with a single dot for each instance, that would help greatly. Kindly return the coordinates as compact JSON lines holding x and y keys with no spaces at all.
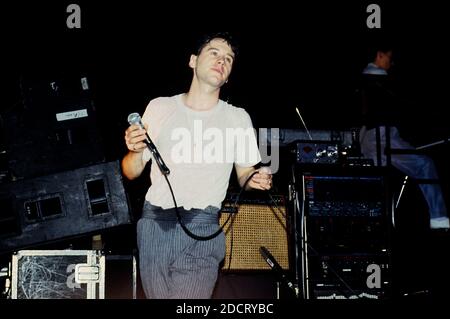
{"x":214,"y":63}
{"x":384,"y":60}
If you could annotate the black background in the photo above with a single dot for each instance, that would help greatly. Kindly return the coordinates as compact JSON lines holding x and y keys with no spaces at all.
{"x":301,"y":54}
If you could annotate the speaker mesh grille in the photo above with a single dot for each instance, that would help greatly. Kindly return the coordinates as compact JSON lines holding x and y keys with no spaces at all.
{"x":256,"y":225}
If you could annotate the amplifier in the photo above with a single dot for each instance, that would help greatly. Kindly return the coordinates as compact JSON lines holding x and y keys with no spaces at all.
{"x":258,"y":222}
{"x":343,"y":231}
{"x":337,"y":195}
{"x":317,"y":152}
{"x":349,"y":276}
{"x":345,"y":212}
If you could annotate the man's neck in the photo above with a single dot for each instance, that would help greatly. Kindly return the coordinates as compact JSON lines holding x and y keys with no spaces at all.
{"x":201,"y":98}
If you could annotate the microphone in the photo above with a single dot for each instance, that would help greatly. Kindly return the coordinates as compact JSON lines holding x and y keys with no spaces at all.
{"x":272,"y":262}
{"x":135,"y":119}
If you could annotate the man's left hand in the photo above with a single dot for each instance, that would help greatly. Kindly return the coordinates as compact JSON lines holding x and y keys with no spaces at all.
{"x":261,"y":180}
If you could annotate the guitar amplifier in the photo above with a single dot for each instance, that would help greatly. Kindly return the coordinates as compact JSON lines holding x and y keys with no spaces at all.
{"x":257,"y":222}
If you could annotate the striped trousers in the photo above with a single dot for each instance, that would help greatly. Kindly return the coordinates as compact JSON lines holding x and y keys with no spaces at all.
{"x":173,"y":265}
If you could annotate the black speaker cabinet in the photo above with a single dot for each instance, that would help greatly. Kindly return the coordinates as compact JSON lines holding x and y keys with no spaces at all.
{"x":343,"y":222}
{"x":54,"y":130}
{"x":66,"y":204}
{"x":258,"y":222}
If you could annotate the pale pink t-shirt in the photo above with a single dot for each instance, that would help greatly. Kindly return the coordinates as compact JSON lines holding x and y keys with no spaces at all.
{"x":199,"y":148}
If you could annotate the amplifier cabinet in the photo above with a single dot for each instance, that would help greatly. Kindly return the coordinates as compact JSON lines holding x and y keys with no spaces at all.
{"x":258,"y":222}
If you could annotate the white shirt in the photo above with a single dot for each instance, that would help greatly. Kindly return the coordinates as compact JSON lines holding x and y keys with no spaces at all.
{"x":199,"y":148}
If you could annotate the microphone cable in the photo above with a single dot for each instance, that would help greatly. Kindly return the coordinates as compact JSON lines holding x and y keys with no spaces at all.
{"x":135,"y":119}
{"x":219,"y":231}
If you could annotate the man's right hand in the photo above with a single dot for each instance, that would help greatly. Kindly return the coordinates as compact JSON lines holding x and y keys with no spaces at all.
{"x":135,"y":137}
{"x":132,"y":163}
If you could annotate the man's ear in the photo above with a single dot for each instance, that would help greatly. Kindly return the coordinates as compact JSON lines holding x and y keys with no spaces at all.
{"x":192,"y":61}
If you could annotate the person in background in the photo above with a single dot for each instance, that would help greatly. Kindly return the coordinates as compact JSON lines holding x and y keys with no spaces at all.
{"x":380,"y":109}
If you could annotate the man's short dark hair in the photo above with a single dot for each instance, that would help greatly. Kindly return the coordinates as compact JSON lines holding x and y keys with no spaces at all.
{"x":381,"y":43}
{"x":382,"y":48}
{"x":207,"y":38}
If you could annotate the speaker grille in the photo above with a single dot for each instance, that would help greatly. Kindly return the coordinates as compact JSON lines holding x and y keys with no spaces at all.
{"x":256,"y":225}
